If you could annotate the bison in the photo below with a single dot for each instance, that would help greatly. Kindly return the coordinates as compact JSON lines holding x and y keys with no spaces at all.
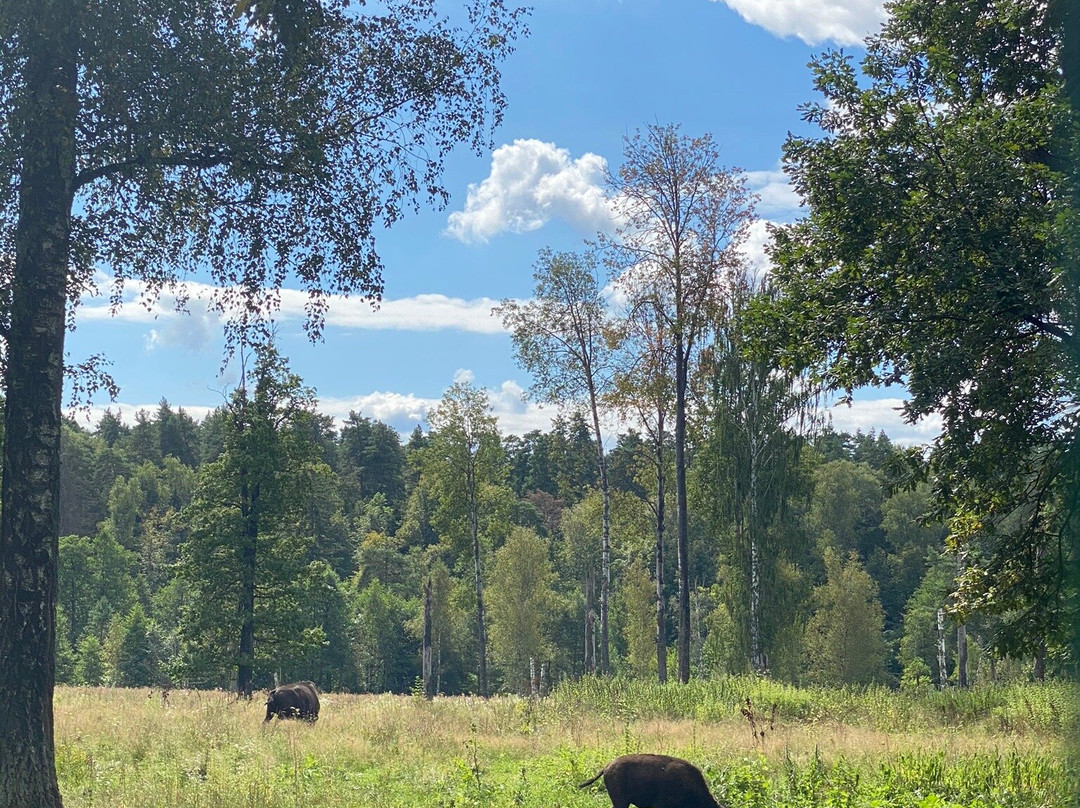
{"x":298,"y":700}
{"x":654,"y":781}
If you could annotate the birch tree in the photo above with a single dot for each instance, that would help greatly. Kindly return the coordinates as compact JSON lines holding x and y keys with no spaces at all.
{"x":559,"y":338}
{"x":165,"y":138}
{"x":683,"y":218}
{"x":461,"y":464}
{"x":642,"y":393}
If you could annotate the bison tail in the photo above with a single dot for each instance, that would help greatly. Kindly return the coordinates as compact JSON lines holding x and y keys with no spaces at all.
{"x":592,"y":780}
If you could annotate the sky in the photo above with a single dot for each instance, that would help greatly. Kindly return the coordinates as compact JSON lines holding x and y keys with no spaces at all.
{"x":590,"y":73}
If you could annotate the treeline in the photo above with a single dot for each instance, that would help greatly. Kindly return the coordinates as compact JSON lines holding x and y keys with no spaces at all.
{"x":266,"y":541}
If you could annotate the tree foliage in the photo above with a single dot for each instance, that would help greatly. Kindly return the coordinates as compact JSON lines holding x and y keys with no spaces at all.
{"x":561,"y":338}
{"x":844,"y":638}
{"x":170,"y":140}
{"x":936,"y":254}
{"x":683,"y":219}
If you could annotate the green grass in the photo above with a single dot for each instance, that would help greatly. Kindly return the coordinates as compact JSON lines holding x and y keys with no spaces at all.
{"x":822,"y":748}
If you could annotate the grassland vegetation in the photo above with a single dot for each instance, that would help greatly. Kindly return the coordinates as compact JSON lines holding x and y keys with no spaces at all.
{"x":982,"y":748}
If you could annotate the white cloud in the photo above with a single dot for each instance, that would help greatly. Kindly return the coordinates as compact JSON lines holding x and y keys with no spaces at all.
{"x":195,"y":328}
{"x":884,"y":415}
{"x":403,"y":411}
{"x":429,"y":312}
{"x":516,"y":415}
{"x":532,"y":182}
{"x":777,"y":197}
{"x":754,"y":248}
{"x":845,"y":22}
{"x":90,"y":417}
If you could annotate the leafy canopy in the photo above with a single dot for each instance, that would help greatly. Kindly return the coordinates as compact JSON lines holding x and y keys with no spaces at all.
{"x":935,"y":254}
{"x":205,"y":144}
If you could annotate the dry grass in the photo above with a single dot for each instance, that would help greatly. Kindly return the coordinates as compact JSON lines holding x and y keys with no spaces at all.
{"x":120,"y":747}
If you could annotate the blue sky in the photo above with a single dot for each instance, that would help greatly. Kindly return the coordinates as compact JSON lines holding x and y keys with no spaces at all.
{"x":591,"y":72}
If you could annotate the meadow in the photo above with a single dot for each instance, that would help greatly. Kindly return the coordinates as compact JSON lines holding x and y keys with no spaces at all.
{"x":758,"y":743}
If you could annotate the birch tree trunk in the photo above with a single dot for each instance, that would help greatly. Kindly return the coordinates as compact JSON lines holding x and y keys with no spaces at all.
{"x":481,"y":631}
{"x":30,"y":520}
{"x":605,"y":550}
{"x":943,"y":676}
{"x":425,"y":649}
{"x":681,"y":520}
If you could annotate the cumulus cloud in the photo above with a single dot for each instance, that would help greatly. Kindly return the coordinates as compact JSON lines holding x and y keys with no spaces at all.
{"x":845,"y":22}
{"x":530,"y":183}
{"x":517,"y":416}
{"x":754,"y":248}
{"x":90,"y":417}
{"x":777,"y":198}
{"x":404,"y":411}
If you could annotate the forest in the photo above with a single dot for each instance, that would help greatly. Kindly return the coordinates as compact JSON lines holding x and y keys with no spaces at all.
{"x":355,"y":523}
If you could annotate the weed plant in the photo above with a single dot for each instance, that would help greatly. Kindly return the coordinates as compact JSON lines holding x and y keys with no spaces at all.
{"x":118,"y":747}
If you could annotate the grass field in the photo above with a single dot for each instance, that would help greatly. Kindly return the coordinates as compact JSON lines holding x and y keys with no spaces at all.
{"x":879,"y":748}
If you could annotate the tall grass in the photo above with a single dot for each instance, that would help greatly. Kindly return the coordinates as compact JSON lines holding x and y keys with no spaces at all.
{"x":130,"y":748}
{"x":1012,"y":708}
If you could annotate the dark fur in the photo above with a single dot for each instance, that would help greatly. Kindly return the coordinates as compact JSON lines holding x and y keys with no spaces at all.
{"x":654,"y":781}
{"x":298,"y":700}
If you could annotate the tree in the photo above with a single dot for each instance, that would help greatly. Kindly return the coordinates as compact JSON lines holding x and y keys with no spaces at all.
{"x":371,"y":460}
{"x":462,"y":464}
{"x":684,"y":218}
{"x":755,"y":419}
{"x":522,"y":606}
{"x":158,"y":137}
{"x":249,"y":531}
{"x":559,"y":337}
{"x":129,"y":651}
{"x":638,"y":599}
{"x":918,"y":643}
{"x":845,"y":643}
{"x":845,"y":509}
{"x":938,"y":253}
{"x":642,"y":389}
{"x":383,"y":655}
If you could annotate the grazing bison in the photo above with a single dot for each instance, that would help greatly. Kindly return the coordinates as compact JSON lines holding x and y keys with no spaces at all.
{"x":654,"y":781}
{"x":298,"y":700}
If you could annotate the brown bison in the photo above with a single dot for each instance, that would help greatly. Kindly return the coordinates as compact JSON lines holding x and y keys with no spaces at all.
{"x":298,"y":700}
{"x":654,"y":781}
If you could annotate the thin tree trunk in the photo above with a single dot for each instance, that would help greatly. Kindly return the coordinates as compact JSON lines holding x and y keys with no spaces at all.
{"x":590,"y":625}
{"x":757,"y":660}
{"x":481,"y":631}
{"x":605,"y":554}
{"x":961,"y":655}
{"x":943,"y":676}
{"x":682,"y":529}
{"x":30,"y":521}
{"x":245,"y":667}
{"x":661,"y":600}
{"x":425,"y":652}
{"x":961,"y":637}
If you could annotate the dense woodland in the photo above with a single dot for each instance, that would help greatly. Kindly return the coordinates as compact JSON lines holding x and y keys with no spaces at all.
{"x":354,"y":523}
